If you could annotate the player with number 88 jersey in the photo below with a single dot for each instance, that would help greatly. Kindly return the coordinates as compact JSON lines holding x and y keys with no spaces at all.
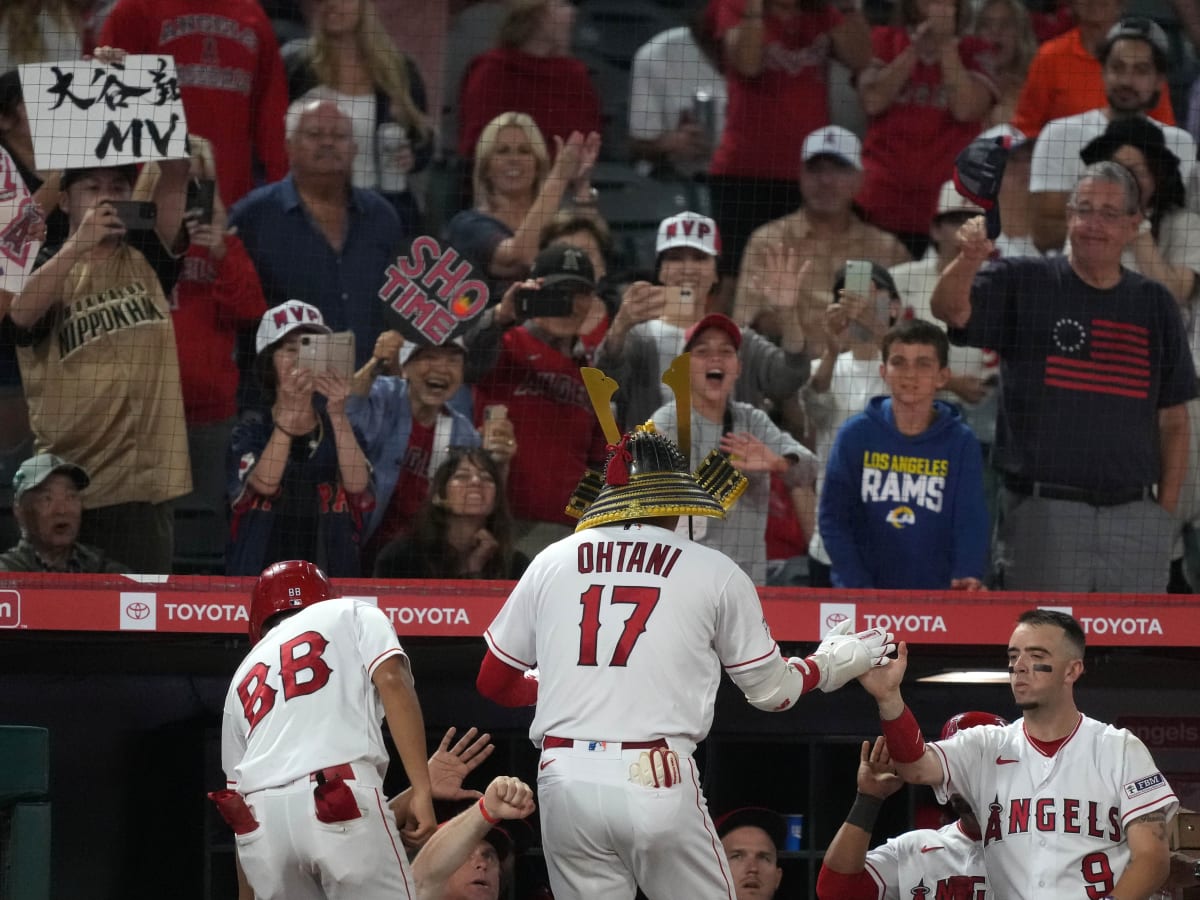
{"x":303,"y":751}
{"x":629,"y":625}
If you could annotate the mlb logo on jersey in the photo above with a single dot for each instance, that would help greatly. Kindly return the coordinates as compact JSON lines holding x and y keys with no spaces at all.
{"x":597,"y":746}
{"x":1149,"y":783}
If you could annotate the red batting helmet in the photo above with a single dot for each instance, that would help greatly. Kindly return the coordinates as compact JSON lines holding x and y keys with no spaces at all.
{"x":285,"y":586}
{"x":964,"y":720}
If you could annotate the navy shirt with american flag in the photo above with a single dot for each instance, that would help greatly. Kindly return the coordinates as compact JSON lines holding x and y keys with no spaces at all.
{"x":1084,"y":371}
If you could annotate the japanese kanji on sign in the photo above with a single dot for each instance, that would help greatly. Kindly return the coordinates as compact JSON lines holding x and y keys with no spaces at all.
{"x":86,"y":113}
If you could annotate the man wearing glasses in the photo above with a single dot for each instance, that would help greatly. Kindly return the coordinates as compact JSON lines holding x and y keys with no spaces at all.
{"x":1092,"y":435}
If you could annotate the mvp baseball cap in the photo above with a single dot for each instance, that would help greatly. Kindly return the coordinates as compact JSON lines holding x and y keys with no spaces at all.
{"x":565,"y":266}
{"x":835,"y":142}
{"x":280,"y":321}
{"x":688,"y":229}
{"x":37,"y":469}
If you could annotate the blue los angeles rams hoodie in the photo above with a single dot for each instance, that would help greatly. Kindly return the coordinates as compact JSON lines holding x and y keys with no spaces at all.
{"x":904,"y":511}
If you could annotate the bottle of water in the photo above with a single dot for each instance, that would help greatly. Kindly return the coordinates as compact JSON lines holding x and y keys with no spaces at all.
{"x":391,"y":138}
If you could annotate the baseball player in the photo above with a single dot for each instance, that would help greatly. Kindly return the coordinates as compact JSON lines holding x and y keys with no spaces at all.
{"x":752,"y":837}
{"x":924,"y":864}
{"x":629,"y":625}
{"x":303,"y":751}
{"x":1068,"y":806}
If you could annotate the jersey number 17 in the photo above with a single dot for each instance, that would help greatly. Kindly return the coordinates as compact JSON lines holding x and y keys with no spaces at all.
{"x":642,"y":599}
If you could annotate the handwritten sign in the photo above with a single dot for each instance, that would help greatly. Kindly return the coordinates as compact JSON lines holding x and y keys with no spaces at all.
{"x":85,"y":113}
{"x":19,"y":216}
{"x":432,"y":295}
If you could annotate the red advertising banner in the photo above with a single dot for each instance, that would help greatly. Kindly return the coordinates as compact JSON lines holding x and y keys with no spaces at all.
{"x":196,"y":605}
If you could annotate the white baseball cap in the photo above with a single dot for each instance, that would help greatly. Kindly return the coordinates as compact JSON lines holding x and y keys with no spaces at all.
{"x":835,"y":141}
{"x":951,"y":201}
{"x":37,"y":469}
{"x":280,"y":321}
{"x":1006,"y":134}
{"x":689,"y":229}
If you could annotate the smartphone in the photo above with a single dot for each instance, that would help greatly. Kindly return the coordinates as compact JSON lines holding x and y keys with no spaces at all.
{"x":858,"y":278}
{"x":678,"y":299}
{"x":328,"y":353}
{"x":136,"y":215}
{"x":200,"y":199}
{"x":545,"y":302}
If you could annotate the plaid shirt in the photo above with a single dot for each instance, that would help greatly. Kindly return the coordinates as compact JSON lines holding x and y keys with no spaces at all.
{"x":24,"y":558}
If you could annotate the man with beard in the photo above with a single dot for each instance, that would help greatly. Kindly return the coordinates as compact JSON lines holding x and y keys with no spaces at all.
{"x":1069,"y":806}
{"x":1135,"y":62}
{"x":926,"y":862}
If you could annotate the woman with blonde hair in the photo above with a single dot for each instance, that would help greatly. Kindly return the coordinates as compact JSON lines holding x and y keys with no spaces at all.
{"x":517,"y":190}
{"x":33,"y":31}
{"x":1005,"y":25}
{"x":351,"y":60}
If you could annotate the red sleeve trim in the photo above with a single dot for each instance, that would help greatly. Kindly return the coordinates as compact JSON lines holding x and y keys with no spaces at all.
{"x":381,"y":658}
{"x":904,"y":741}
{"x":1148,"y":807}
{"x":833,"y":885}
{"x":504,"y":684}
{"x":774,"y":651}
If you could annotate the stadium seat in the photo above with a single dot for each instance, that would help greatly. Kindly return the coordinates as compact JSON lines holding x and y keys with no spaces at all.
{"x":633,"y":205}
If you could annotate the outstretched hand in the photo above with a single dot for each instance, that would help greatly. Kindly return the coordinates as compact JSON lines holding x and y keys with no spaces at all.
{"x":973,"y":243}
{"x":883,"y":682}
{"x":450,"y":766}
{"x":876,"y":775}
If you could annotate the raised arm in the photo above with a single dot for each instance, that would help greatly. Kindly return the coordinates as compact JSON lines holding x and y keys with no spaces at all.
{"x":744,"y":41}
{"x":914,"y":761}
{"x":951,"y":300}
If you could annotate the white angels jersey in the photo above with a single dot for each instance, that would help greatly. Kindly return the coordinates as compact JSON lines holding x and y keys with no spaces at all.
{"x":928,"y":864}
{"x":1054,"y":826}
{"x":629,"y":627}
{"x":303,"y":698}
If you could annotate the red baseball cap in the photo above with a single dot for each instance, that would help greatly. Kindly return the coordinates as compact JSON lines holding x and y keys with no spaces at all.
{"x":713,"y":320}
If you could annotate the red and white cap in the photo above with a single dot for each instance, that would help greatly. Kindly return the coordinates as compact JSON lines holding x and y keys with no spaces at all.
{"x":835,"y":141}
{"x":689,"y":229}
{"x":280,"y":321}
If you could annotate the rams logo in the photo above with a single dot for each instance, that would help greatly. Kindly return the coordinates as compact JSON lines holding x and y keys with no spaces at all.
{"x":901,"y":516}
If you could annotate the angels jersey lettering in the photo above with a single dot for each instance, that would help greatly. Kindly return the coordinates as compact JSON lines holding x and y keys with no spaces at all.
{"x":926,"y":864}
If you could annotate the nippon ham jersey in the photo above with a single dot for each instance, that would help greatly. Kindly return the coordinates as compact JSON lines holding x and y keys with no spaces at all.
{"x":1054,"y":826}
{"x":928,"y":864}
{"x":629,"y":627}
{"x":303,"y":698}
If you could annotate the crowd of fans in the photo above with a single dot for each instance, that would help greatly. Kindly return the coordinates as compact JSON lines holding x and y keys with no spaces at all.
{"x":191,"y":402}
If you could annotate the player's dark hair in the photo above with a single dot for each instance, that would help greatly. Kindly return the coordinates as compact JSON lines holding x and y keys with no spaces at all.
{"x":1066,"y":622}
{"x":437,"y":557}
{"x":917,"y":331}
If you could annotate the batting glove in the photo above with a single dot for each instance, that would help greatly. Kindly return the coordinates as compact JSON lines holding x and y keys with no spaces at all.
{"x":655,"y":768}
{"x":842,"y":656}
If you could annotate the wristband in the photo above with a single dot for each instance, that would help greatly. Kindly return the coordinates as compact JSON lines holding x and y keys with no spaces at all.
{"x":904,"y":741}
{"x":487,"y":817}
{"x":864,"y":812}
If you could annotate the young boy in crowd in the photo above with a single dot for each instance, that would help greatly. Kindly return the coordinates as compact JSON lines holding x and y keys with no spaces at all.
{"x":903,"y":504}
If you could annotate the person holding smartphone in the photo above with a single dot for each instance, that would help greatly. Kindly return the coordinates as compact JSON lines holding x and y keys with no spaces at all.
{"x":299,"y":483}
{"x":96,"y":347}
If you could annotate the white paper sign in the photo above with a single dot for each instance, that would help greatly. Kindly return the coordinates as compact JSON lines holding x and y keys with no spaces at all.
{"x":84,"y":113}
{"x":18,"y":217}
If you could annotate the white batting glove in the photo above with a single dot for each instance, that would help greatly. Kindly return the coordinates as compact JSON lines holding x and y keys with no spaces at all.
{"x":655,"y":768}
{"x":842,"y":656}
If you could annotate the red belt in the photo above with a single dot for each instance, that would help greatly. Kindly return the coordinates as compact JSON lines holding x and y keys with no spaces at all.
{"x":345,"y":772}
{"x":549,"y":742}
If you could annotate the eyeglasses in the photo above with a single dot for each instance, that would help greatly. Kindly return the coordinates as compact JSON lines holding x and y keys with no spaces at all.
{"x":1107,"y":214}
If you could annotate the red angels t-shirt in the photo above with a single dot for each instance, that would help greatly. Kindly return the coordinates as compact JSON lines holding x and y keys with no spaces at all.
{"x":909,"y":149}
{"x":411,"y":490}
{"x":769,"y":115}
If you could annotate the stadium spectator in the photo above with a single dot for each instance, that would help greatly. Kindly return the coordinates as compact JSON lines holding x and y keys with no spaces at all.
{"x":313,"y":237}
{"x":351,"y":60}
{"x":1005,"y":25}
{"x":15,"y":137}
{"x":48,"y":510}
{"x":408,"y":426}
{"x":1065,"y":77}
{"x":776,"y":65}
{"x":972,"y":371}
{"x":585,"y":228}
{"x":926,"y":94}
{"x":230,"y":76}
{"x":1081,"y":341}
{"x":756,"y":446}
{"x":462,"y":529}
{"x":299,"y":483}
{"x":98,"y":361}
{"x":844,"y":379}
{"x":533,"y":369}
{"x":826,"y":231}
{"x":1133,"y":62}
{"x":753,"y":838}
{"x":902,"y":505}
{"x":649,"y":329}
{"x":217,"y":293}
{"x":516,"y":192}
{"x":34,"y":31}
{"x":677,"y":98}
{"x":529,"y":71}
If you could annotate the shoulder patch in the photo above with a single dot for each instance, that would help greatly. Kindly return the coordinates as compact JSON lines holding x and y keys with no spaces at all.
{"x":1149,"y":783}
